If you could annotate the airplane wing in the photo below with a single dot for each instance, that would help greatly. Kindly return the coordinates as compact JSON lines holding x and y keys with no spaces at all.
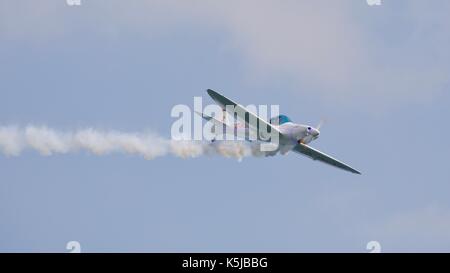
{"x":243,"y":113}
{"x":318,"y":155}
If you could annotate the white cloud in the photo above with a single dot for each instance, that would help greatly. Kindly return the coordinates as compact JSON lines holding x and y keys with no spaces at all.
{"x":420,"y":229}
{"x":331,"y":49}
{"x":337,"y":49}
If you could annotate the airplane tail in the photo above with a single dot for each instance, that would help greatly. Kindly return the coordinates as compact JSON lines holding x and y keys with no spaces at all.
{"x":214,"y":120}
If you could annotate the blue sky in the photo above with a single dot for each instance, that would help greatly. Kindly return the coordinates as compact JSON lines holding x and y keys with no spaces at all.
{"x":379,"y":75}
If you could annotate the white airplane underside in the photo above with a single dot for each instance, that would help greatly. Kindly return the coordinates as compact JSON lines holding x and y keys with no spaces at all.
{"x":291,"y":136}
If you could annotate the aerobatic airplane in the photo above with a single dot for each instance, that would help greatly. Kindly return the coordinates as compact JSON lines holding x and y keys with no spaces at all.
{"x":291,"y":136}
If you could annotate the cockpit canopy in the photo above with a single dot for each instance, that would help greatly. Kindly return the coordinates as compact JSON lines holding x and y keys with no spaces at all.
{"x":278,"y":120}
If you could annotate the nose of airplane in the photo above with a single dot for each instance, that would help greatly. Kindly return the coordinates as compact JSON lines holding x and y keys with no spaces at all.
{"x":316,"y":133}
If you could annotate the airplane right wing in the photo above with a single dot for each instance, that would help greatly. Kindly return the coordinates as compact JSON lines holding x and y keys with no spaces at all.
{"x":318,"y":155}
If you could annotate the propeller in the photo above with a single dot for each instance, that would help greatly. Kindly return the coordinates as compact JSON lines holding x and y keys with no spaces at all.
{"x":321,"y":122}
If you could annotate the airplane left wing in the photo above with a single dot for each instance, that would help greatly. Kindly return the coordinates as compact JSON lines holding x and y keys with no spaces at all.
{"x":243,"y":114}
{"x":318,"y":155}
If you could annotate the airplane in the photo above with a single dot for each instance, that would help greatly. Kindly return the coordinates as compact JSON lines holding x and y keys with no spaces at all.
{"x":292,"y":136}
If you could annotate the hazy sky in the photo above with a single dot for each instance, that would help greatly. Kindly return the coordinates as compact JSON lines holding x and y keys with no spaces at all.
{"x":378,"y":74}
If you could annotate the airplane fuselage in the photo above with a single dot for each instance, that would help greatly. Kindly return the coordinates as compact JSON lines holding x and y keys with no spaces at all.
{"x":298,"y":133}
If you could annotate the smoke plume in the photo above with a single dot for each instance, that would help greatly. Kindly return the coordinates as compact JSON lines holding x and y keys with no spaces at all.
{"x":46,"y":141}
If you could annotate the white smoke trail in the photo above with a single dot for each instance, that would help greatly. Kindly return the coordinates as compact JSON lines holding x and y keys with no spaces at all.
{"x":14,"y":140}
{"x":11,"y":141}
